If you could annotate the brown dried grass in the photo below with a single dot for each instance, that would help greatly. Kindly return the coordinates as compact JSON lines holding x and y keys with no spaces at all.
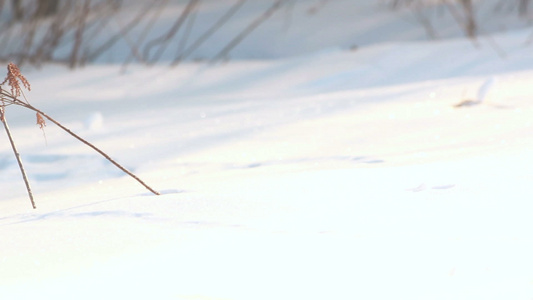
{"x":13,"y":77}
{"x":15,"y":80}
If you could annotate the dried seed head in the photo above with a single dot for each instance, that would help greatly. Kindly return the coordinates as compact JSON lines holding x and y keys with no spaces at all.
{"x":40,"y":121}
{"x":12,"y":79}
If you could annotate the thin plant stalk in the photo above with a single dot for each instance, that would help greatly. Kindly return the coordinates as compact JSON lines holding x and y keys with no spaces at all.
{"x":17,"y":155}
{"x":122,"y":168}
{"x":15,"y":79}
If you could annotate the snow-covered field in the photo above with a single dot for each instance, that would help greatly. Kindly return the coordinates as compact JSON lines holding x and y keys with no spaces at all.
{"x":319,"y":174}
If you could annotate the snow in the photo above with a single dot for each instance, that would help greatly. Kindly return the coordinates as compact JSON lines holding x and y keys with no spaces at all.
{"x":331,"y":174}
{"x":94,"y":121}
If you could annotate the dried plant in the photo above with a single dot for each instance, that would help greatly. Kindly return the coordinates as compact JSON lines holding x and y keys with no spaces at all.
{"x":40,"y":121}
{"x":14,"y":79}
{"x":17,"y":155}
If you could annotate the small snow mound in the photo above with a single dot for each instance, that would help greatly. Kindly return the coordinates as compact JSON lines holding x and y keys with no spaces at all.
{"x":94,"y":121}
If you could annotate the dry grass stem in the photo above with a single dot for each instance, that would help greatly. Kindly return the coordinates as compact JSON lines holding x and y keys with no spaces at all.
{"x":17,"y":156}
{"x":14,"y":79}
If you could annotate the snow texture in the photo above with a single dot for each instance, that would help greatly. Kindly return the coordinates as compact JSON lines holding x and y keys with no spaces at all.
{"x":332,"y":174}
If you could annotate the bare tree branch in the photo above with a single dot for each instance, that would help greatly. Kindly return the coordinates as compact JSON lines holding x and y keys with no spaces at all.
{"x":163,"y":40}
{"x":201,"y":39}
{"x":249,"y":29}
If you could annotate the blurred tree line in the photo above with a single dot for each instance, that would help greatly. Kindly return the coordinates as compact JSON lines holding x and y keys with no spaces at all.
{"x":464,"y":12}
{"x":77,"y":32}
{"x":39,"y":31}
{"x":43,"y":8}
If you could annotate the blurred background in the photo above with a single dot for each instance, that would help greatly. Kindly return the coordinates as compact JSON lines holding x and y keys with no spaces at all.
{"x":80,"y":32}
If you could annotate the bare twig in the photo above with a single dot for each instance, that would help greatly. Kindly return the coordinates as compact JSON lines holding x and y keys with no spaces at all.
{"x":200,"y":40}
{"x":122,"y":168}
{"x":53,"y":36}
{"x":249,"y":29}
{"x":74,"y":56}
{"x":14,"y":79}
{"x":17,"y":156}
{"x":425,"y":21}
{"x":163,"y":40}
{"x":142,"y":36}
{"x":187,"y":31}
{"x":91,"y":55}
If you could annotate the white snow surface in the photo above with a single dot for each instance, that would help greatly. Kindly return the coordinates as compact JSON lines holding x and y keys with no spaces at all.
{"x":335,"y":174}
